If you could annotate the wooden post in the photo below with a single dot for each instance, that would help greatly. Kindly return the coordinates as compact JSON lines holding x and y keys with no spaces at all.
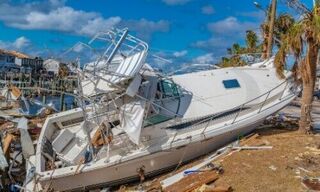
{"x":44,"y":98}
{"x":271,"y":27}
{"x":61,"y":101}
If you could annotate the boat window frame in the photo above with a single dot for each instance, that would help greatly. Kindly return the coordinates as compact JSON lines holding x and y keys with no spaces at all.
{"x":174,"y":91}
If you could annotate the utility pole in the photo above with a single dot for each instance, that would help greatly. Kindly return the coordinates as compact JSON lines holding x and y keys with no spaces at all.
{"x":271,"y":27}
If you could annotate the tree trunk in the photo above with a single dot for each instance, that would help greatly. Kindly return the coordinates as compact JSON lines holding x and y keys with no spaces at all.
{"x":308,"y":79}
{"x":271,"y":27}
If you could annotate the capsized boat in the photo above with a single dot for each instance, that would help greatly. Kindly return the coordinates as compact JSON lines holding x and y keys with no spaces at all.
{"x":139,"y":121}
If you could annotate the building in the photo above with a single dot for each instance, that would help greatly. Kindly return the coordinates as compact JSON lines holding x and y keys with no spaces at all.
{"x":7,"y":62}
{"x":53,"y":67}
{"x":18,"y":62}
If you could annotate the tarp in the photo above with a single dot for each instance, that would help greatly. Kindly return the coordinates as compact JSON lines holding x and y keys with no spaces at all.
{"x":23,"y":123}
{"x":134,"y":86}
{"x":131,"y":119}
{"x":25,"y":139}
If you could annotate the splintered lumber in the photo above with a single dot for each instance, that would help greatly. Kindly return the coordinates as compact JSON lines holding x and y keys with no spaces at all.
{"x":154,"y":186}
{"x":311,"y":183}
{"x":6,"y":142}
{"x":252,"y":147}
{"x":192,"y":181}
{"x":221,"y":189}
{"x":247,"y":140}
{"x":212,"y":188}
{"x":101,"y":137}
{"x":98,"y":139}
{"x":175,"y":178}
{"x":15,"y":91}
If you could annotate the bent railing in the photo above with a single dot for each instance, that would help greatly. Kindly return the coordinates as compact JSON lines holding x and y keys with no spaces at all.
{"x":257,"y":104}
{"x":253,"y":107}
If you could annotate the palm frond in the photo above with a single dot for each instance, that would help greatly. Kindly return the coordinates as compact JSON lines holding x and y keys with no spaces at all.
{"x":280,"y":58}
{"x":316,"y":24}
{"x":295,"y":40}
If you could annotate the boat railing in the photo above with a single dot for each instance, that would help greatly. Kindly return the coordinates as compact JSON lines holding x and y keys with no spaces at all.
{"x":246,"y":110}
{"x":256,"y":104}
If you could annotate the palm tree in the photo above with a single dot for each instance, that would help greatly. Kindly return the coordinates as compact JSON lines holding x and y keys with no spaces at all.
{"x":282,"y":25}
{"x":236,"y":49}
{"x":251,"y":41}
{"x":304,"y":32}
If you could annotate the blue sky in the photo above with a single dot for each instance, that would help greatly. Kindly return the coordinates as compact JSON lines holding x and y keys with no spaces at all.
{"x":183,"y":31}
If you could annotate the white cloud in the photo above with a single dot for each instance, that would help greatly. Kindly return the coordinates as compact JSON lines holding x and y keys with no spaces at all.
{"x":16,"y":13}
{"x":216,"y":44}
{"x":180,"y":53}
{"x":99,"y":24}
{"x":67,"y":19}
{"x":230,"y":25}
{"x":145,"y":28}
{"x":224,"y":33}
{"x":205,"y":59}
{"x":20,"y":43}
{"x":175,"y":2}
{"x":54,"y":15}
{"x":258,"y":15}
{"x":207,"y":10}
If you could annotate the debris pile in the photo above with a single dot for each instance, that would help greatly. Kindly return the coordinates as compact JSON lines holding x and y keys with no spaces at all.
{"x":18,"y":136}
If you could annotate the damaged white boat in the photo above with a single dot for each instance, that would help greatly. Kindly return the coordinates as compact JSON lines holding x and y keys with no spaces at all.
{"x":141,"y":122}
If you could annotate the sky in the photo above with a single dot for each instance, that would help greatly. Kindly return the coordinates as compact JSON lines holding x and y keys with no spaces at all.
{"x":182,"y":31}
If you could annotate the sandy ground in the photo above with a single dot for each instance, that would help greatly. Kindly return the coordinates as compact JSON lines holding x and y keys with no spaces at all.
{"x":293,"y":156}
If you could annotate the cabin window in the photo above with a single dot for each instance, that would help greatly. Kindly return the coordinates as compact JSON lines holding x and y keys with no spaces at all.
{"x":169,"y":89}
{"x":231,"y":83}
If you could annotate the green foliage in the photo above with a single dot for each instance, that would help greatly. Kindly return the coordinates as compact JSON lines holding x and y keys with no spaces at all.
{"x":283,"y":23}
{"x":236,"y":50}
{"x":305,"y":31}
{"x":251,"y":41}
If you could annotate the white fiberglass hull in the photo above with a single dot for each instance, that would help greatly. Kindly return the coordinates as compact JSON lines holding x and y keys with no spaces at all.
{"x":153,"y":163}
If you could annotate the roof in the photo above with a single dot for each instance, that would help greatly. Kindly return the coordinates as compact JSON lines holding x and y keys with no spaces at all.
{"x":14,"y":53}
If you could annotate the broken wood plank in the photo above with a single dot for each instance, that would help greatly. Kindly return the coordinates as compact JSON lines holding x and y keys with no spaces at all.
{"x":6,"y":142}
{"x":311,"y":183}
{"x":247,"y":140}
{"x":192,"y":181}
{"x":222,"y":189}
{"x":252,"y":147}
{"x":175,"y":178}
{"x":212,"y":188}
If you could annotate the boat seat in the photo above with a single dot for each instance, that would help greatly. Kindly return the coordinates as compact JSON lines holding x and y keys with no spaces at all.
{"x":74,"y":151}
{"x":62,"y":140}
{"x":129,"y":67}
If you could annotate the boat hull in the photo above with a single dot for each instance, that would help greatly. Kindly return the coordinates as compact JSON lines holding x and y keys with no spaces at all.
{"x":158,"y":162}
{"x":154,"y":164}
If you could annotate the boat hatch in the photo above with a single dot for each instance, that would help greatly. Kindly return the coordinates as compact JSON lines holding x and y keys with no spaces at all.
{"x":231,"y":83}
